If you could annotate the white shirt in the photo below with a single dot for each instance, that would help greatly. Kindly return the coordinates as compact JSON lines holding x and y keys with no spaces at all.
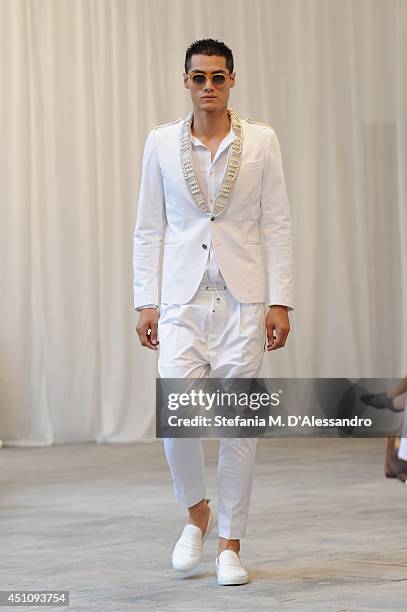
{"x":210,"y":176}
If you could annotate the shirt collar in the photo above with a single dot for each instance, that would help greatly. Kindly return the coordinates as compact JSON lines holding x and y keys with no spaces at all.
{"x":229,"y":138}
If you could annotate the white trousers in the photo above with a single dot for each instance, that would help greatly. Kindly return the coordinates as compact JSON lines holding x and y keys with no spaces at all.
{"x":213,"y":335}
{"x":403,"y":449}
{"x":403,"y":442}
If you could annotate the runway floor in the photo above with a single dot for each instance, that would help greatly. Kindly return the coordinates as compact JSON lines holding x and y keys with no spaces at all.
{"x":327,"y":530}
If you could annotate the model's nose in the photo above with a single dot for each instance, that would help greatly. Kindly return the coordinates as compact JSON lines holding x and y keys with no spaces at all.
{"x":208,"y":84}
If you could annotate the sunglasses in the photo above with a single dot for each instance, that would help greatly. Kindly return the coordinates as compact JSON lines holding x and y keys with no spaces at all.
{"x":217,"y":78}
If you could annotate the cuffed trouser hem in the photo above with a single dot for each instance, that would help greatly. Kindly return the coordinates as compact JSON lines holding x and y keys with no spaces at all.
{"x":232,"y":523}
{"x":189,"y":498}
{"x":233,"y":532}
{"x":231,"y":536}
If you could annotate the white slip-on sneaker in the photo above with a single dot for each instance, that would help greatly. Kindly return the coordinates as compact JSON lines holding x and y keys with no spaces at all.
{"x":229,"y":569}
{"x":187,"y":553}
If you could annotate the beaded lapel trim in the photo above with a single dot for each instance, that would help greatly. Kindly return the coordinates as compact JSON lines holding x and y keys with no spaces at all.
{"x":232,"y":168}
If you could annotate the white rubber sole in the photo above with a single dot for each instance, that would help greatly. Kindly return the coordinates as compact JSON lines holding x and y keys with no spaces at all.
{"x":232,"y":581}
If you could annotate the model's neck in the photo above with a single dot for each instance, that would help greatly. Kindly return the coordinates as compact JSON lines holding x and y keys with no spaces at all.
{"x":210,"y":124}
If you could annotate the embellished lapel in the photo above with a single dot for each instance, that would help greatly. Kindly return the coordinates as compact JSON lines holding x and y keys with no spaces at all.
{"x":232,"y":168}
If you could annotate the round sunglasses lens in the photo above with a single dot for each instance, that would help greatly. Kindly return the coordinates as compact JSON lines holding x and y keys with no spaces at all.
{"x":199,"y":79}
{"x":218,"y":79}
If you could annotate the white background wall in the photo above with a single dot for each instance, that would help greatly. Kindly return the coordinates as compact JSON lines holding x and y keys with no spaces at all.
{"x":82,"y":83}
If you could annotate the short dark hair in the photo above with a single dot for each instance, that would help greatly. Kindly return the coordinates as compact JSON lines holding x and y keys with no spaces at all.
{"x":209,"y":46}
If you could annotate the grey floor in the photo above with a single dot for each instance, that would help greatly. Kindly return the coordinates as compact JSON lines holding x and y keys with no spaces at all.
{"x":327,"y":530}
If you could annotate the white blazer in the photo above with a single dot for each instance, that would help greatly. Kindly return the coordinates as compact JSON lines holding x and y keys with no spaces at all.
{"x":251,"y":236}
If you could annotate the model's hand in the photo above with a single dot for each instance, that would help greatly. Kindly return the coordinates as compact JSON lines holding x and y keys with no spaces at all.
{"x":148,"y":323}
{"x":277,"y":321}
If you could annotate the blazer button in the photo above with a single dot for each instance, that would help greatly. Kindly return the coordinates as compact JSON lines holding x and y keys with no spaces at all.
{"x":212,"y":218}
{"x":204,"y":246}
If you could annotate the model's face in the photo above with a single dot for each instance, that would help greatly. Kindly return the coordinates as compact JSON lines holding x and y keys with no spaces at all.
{"x":209,"y":96}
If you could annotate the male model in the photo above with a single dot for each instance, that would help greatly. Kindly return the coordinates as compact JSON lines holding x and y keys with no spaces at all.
{"x":213,"y":196}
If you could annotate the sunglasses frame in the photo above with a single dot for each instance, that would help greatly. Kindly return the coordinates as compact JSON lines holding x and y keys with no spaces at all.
{"x":191,"y":76}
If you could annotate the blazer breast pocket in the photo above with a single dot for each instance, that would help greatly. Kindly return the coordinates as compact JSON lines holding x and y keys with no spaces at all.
{"x":251,"y":165}
{"x":249,"y":180}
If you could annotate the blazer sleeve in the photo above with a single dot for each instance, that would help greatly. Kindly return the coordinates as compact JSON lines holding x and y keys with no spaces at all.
{"x":276,"y":227}
{"x":149,"y":228}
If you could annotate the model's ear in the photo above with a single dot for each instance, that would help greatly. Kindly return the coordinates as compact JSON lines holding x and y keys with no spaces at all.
{"x":186,"y":80}
{"x":233,"y":79}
